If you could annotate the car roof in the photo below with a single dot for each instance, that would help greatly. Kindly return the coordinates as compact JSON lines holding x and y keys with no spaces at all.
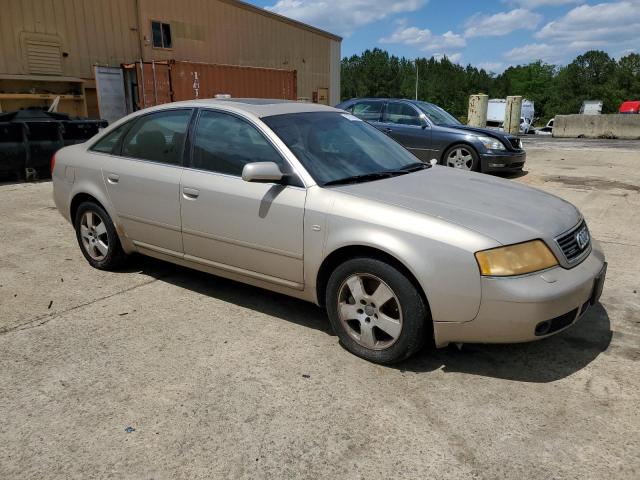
{"x":260,"y":107}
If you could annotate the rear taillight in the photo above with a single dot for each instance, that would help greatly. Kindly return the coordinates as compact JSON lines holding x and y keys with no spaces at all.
{"x":53,"y":163}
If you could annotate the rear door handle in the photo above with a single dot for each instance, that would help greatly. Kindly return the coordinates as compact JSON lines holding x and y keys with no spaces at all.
{"x":190,"y":193}
{"x":113,"y":178}
{"x":387,"y":130}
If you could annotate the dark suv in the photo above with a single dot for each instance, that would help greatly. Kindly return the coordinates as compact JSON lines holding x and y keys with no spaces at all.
{"x":430,"y":132}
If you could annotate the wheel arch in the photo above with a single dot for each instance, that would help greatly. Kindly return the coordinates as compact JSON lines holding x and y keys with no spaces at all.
{"x":347,"y":252}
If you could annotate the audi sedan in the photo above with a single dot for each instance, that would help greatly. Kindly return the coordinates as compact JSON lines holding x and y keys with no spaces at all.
{"x":314,"y":203}
{"x":430,"y":132}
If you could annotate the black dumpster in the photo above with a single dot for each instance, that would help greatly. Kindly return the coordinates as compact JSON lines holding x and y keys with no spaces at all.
{"x":30,"y":138}
{"x":13,"y":151}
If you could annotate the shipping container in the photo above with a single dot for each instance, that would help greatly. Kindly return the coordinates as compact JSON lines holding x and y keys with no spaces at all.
{"x":155,"y":83}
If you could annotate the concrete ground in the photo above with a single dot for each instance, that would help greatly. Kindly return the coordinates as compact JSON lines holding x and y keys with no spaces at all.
{"x":221,"y":380}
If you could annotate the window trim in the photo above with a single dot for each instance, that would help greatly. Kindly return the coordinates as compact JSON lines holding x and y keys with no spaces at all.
{"x":161,"y":23}
{"x":415,"y":109}
{"x":382,"y":109}
{"x":117,"y":148}
{"x":191,"y":140}
{"x":133,"y":121}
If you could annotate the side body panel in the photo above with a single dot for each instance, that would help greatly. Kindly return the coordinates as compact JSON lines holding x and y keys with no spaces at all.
{"x":255,"y":227}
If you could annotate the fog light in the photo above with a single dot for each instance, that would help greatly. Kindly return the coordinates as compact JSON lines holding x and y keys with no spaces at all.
{"x":497,"y":165}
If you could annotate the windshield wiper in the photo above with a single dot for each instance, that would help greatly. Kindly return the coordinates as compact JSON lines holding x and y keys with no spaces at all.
{"x":412,"y":167}
{"x":361,"y":178}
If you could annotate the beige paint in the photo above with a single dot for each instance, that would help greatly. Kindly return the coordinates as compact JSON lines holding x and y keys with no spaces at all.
{"x":68,"y":37}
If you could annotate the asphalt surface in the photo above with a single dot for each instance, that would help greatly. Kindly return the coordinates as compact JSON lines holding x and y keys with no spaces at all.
{"x":160,"y":372}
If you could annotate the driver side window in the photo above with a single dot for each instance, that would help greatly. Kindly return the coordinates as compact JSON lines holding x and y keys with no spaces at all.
{"x":401,"y":114}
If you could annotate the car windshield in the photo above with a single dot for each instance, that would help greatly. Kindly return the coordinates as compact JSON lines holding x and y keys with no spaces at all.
{"x":340,"y":148}
{"x":437,"y":115}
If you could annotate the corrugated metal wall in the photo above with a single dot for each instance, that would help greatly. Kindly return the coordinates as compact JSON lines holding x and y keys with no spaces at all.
{"x":81,"y":33}
{"x":89,"y":31}
{"x":217,"y":31}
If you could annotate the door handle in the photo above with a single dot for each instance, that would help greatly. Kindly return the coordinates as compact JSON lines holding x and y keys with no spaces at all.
{"x":113,"y":178}
{"x":388,"y":130}
{"x":190,"y":193}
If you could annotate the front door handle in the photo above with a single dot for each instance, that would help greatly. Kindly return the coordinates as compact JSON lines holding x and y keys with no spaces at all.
{"x":387,"y":130}
{"x":190,"y":193}
{"x":113,"y":178}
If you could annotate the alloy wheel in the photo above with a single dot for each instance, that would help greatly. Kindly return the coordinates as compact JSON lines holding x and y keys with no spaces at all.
{"x":93,"y":233}
{"x":369,"y":311}
{"x":460,"y":158}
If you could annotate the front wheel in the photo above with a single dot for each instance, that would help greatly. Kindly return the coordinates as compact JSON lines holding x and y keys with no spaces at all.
{"x":463,"y":157}
{"x":376,"y":311}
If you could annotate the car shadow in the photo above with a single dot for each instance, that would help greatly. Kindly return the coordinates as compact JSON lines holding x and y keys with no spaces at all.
{"x":246,"y":296}
{"x":512,"y":175}
{"x":546,"y":360}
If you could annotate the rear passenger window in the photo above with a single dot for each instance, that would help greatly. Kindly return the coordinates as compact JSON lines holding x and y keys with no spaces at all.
{"x":225,"y":144}
{"x":158,"y":137}
{"x":369,"y":111}
{"x":109,"y":142}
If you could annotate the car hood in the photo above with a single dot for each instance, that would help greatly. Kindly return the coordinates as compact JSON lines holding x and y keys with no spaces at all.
{"x":503,"y":210}
{"x":479,"y":131}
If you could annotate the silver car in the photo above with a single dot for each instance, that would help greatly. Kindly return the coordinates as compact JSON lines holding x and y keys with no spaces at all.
{"x":314,"y":203}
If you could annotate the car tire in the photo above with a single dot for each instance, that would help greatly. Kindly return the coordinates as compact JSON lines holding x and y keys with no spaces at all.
{"x":461,"y":156}
{"x":387,"y":332}
{"x":98,"y":238}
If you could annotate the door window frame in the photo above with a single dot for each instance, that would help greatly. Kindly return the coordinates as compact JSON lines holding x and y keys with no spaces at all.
{"x":118,"y":148}
{"x":420,"y":114}
{"x":382,"y":103}
{"x":190,"y":144}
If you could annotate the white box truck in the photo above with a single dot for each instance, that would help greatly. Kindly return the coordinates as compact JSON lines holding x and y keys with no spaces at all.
{"x":497,"y":107}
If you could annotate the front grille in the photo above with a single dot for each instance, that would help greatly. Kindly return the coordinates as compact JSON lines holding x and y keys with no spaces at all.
{"x":576,"y":243}
{"x":515,"y":143}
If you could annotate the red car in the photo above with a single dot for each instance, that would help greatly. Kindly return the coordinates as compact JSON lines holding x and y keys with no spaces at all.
{"x":630,"y":106}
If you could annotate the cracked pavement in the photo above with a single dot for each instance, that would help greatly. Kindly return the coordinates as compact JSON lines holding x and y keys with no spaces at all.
{"x":221,"y":380}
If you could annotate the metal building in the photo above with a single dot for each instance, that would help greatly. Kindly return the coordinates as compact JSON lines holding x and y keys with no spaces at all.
{"x":50,"y":48}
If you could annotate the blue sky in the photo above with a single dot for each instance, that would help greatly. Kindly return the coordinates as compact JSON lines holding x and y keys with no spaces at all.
{"x":492,"y":34}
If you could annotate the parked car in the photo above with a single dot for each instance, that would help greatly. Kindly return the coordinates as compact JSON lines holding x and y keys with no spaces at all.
{"x":630,"y":106}
{"x":496,"y":108}
{"x":547,"y":130}
{"x":312,"y":202}
{"x":429,"y":132}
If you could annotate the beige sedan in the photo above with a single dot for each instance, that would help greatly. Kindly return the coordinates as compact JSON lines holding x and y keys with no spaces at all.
{"x":312,"y":202}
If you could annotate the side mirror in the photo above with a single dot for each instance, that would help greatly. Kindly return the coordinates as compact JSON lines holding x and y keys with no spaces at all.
{"x":262,"y":172}
{"x":424,"y":123}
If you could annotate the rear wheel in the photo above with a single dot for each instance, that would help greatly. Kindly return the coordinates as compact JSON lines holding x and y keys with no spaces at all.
{"x":97,"y":237}
{"x":463,"y":157}
{"x":376,"y":311}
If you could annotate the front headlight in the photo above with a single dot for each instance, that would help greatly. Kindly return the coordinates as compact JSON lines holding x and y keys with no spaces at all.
{"x":516,"y":259}
{"x":491,"y":143}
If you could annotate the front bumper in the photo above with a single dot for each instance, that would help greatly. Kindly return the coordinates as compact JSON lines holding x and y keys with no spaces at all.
{"x":529,"y":307}
{"x":504,"y":161}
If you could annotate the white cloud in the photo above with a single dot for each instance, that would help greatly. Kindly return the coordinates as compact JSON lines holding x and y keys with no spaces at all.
{"x":495,"y":67}
{"x":345,"y":16}
{"x":534,"y":51}
{"x":426,"y":41}
{"x":502,"y":23}
{"x":595,"y":26}
{"x":531,"y":4}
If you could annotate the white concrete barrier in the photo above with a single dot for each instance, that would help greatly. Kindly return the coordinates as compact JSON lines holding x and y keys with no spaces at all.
{"x":597,"y":126}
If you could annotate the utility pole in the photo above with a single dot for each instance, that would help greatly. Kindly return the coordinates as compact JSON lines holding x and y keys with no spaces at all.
{"x":417,"y":74}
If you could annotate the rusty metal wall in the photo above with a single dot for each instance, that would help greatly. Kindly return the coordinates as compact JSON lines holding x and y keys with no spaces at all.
{"x":198,"y":80}
{"x":154,"y":84}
